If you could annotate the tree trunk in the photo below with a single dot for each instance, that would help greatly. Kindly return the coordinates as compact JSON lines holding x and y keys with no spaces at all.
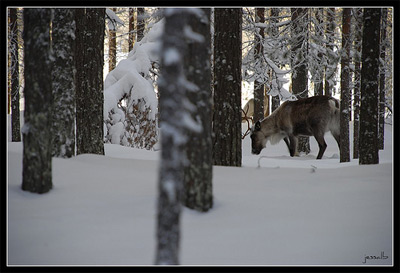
{"x":63,"y":74}
{"x":382,"y":91}
{"x":198,"y":173}
{"x":369,"y":87}
{"x":140,"y":24}
{"x":259,"y":66}
{"x":299,"y":53}
{"x":14,"y":69}
{"x":112,"y":46}
{"x":331,"y":62}
{"x":131,"y":38}
{"x":357,"y":78}
{"x":274,"y":31}
{"x":318,"y":84}
{"x":345,"y":88}
{"x":227,"y":142}
{"x":36,"y":171}
{"x":89,"y":92}
{"x":172,"y":90}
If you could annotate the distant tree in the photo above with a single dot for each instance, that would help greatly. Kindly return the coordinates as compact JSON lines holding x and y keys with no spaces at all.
{"x":63,"y":75}
{"x":198,"y":172}
{"x":345,"y":87}
{"x":369,"y":87}
{"x":140,"y":24}
{"x":299,"y":51}
{"x":131,"y":35}
{"x":36,"y":165}
{"x":358,"y":24}
{"x":227,"y":143}
{"x":90,"y":25}
{"x":112,"y":45}
{"x":14,"y":70}
{"x":172,"y":88}
{"x":382,"y":72}
{"x":260,"y":66}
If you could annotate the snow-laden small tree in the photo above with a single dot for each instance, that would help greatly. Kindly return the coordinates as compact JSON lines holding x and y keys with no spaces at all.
{"x":198,"y":172}
{"x":36,"y":170}
{"x":176,"y":122}
{"x":63,"y":75}
{"x":369,"y":87}
{"x":130,"y":101}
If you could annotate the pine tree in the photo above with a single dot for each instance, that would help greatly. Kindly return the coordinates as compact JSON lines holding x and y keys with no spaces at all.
{"x":36,"y":171}
{"x":90,"y":25}
{"x":198,"y":172}
{"x":369,"y":87}
{"x":63,"y":75}
{"x":227,"y":142}
{"x":14,"y":70}
{"x":173,"y":110}
{"x":345,"y":88}
{"x":299,"y":51}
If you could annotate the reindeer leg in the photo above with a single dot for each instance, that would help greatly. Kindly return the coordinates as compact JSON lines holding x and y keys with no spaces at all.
{"x":292,"y":146}
{"x":321,"y":143}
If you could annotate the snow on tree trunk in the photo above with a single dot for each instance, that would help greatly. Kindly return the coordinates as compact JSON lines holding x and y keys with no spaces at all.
{"x":299,"y":51}
{"x":369,"y":87}
{"x":198,"y":172}
{"x":89,"y":92}
{"x":227,"y":142}
{"x":274,"y":33}
{"x":331,"y":55}
{"x":345,"y":87}
{"x":258,"y":56}
{"x":382,"y":72}
{"x":14,"y":70}
{"x":175,"y":122}
{"x":357,"y":77}
{"x":63,"y":75}
{"x":36,"y":172}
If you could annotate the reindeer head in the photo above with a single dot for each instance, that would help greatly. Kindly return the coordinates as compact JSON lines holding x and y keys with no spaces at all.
{"x":258,"y":139}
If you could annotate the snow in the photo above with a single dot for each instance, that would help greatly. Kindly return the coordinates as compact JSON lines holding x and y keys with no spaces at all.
{"x":289,"y":211}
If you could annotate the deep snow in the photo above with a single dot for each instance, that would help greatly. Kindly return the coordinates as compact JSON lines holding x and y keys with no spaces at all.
{"x":290,"y":211}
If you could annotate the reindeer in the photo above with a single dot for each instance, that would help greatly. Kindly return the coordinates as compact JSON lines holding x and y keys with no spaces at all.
{"x":304,"y":117}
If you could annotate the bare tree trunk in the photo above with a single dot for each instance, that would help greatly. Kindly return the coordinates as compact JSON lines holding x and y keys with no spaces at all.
{"x":63,"y":74}
{"x":299,"y":52}
{"x":174,"y":137}
{"x":274,"y":14}
{"x":140,"y":24}
{"x":89,"y":92}
{"x":36,"y":170}
{"x":357,"y":78}
{"x":131,"y":39}
{"x":369,"y":87}
{"x":112,"y":46}
{"x":258,"y":52}
{"x":318,"y":84}
{"x":382,"y":91}
{"x":14,"y":70}
{"x":345,"y":87}
{"x":198,"y":173}
{"x":227,"y":143}
{"x":331,"y":65}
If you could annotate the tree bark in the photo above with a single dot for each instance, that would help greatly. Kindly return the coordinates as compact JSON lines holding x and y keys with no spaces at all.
{"x":112,"y":47}
{"x":36,"y":171}
{"x":140,"y":24}
{"x":258,"y":56}
{"x":274,"y":31}
{"x":63,"y":74}
{"x":227,"y":142}
{"x":131,"y":38}
{"x":345,"y":87}
{"x":331,"y":62}
{"x":89,"y":92}
{"x":198,"y":173}
{"x":369,"y":87}
{"x":357,"y":78}
{"x":382,"y":91}
{"x":14,"y":69}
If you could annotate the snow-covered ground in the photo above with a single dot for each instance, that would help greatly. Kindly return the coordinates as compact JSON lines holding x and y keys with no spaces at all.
{"x":290,"y":211}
